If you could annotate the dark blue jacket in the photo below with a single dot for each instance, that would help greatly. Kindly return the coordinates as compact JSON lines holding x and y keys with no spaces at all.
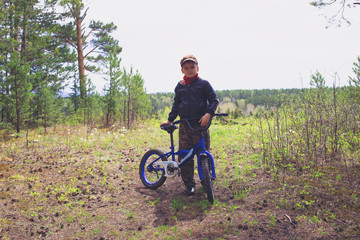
{"x":193,"y":100}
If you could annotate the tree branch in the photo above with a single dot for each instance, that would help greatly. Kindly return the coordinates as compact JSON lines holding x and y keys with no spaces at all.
{"x":342,"y":10}
{"x":91,"y":51}
{"x":66,"y":40}
{"x":88,"y":35}
{"x":331,"y":2}
{"x":84,"y":15}
{"x":339,"y":16}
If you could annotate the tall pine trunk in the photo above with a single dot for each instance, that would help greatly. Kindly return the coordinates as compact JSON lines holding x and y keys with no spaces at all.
{"x":14,"y":73}
{"x":81,"y":60}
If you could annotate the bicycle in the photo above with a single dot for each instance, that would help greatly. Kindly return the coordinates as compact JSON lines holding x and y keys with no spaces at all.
{"x":155,"y":167}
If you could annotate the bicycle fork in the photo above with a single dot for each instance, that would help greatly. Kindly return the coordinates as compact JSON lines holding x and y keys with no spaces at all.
{"x":205,"y":154}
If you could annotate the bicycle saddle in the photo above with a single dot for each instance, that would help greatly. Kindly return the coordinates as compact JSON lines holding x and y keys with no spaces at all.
{"x":169,"y":128}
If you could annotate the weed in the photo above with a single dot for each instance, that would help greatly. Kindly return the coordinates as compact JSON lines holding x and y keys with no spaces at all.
{"x":272,"y":220}
{"x":204,"y":204}
{"x":163,"y":228}
{"x":299,"y":205}
{"x":355,"y":197}
{"x":242,"y":194}
{"x":17,"y":177}
{"x":283,"y":201}
{"x":309,"y":203}
{"x":130,"y":215}
{"x":178,"y":203}
{"x":34,"y":194}
{"x":190,"y":231}
{"x":234,"y":207}
{"x":315,"y":219}
{"x":251,"y":223}
{"x":3,"y":224}
{"x":156,"y":202}
{"x":322,"y":231}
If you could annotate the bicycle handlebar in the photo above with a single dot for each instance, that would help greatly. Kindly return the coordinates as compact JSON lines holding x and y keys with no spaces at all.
{"x":200,"y":129}
{"x":221,"y":114}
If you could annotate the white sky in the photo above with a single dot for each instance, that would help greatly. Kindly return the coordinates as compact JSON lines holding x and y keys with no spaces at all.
{"x":240,"y":44}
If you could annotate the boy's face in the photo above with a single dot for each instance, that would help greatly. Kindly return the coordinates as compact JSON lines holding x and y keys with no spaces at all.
{"x":189,"y":69}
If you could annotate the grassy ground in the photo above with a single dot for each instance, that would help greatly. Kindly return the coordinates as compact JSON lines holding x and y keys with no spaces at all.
{"x":77,"y":183}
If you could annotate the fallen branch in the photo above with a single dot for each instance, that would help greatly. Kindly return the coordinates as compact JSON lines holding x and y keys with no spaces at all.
{"x":288,"y":217}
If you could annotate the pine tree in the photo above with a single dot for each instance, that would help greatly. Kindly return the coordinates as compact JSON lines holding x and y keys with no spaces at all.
{"x":89,"y":112}
{"x":75,"y":95}
{"x":30,"y":54}
{"x":47,"y":107}
{"x":96,"y":39}
{"x":113,"y":89}
{"x":354,"y":82}
{"x":136,"y":101}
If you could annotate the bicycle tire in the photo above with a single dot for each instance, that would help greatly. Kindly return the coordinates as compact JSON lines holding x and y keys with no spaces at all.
{"x":207,"y":178}
{"x":151,"y":179}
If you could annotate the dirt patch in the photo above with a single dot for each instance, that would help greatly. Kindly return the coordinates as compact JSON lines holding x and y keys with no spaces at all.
{"x":81,"y":186}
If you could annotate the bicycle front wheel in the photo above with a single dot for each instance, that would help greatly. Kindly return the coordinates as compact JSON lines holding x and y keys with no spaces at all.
{"x":152,"y":175}
{"x":207,"y":178}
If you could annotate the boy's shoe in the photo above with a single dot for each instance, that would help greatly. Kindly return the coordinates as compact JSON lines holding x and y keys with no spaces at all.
{"x":190,"y":190}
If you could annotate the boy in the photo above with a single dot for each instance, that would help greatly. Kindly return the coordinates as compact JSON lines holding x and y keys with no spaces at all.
{"x":194,"y":97}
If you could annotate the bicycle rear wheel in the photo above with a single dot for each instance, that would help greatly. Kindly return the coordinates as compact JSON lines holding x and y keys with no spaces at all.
{"x":207,"y":178}
{"x":152,"y":175}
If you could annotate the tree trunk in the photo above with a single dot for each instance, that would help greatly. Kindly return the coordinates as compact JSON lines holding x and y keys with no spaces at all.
{"x":81,"y":60}
{"x":6,"y":108}
{"x":107,"y":116}
{"x":128,"y":110}
{"x":15,"y":74}
{"x":17,"y":107}
{"x":23,"y":44}
{"x":124,"y":114}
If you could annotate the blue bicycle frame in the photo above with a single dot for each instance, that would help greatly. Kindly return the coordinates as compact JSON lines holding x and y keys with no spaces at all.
{"x":199,"y":149}
{"x":188,"y":154}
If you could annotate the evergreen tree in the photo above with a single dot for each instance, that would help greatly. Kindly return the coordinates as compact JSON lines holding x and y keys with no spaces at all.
{"x":29,"y":55}
{"x":113,"y":89}
{"x":47,"y":107}
{"x":136,"y":101}
{"x":91,"y":108}
{"x":75,"y":95}
{"x":113,"y":72}
{"x":96,"y":39}
{"x":354,"y":82}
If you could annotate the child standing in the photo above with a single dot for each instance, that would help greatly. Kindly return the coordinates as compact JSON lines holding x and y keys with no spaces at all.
{"x":194,"y":97}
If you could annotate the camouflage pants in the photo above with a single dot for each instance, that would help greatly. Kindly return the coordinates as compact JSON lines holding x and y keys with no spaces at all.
{"x":187,"y":140}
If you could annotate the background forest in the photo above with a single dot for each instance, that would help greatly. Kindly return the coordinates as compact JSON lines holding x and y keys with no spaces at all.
{"x":48,"y":46}
{"x":48,"y":51}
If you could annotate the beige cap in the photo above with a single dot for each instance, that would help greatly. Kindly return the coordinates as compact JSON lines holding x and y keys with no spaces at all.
{"x":188,"y":58}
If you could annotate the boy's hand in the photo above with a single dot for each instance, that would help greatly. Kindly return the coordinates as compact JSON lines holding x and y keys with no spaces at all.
{"x":204,"y":121}
{"x":165,"y":123}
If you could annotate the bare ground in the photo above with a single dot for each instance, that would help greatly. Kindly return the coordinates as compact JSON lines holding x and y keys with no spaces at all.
{"x":70,"y":186}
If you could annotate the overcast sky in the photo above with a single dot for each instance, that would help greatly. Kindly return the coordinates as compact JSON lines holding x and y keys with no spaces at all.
{"x":240,"y":44}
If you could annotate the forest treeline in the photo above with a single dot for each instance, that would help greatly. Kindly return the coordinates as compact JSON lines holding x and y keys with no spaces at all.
{"x":237,"y":103}
{"x":46,"y":46}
